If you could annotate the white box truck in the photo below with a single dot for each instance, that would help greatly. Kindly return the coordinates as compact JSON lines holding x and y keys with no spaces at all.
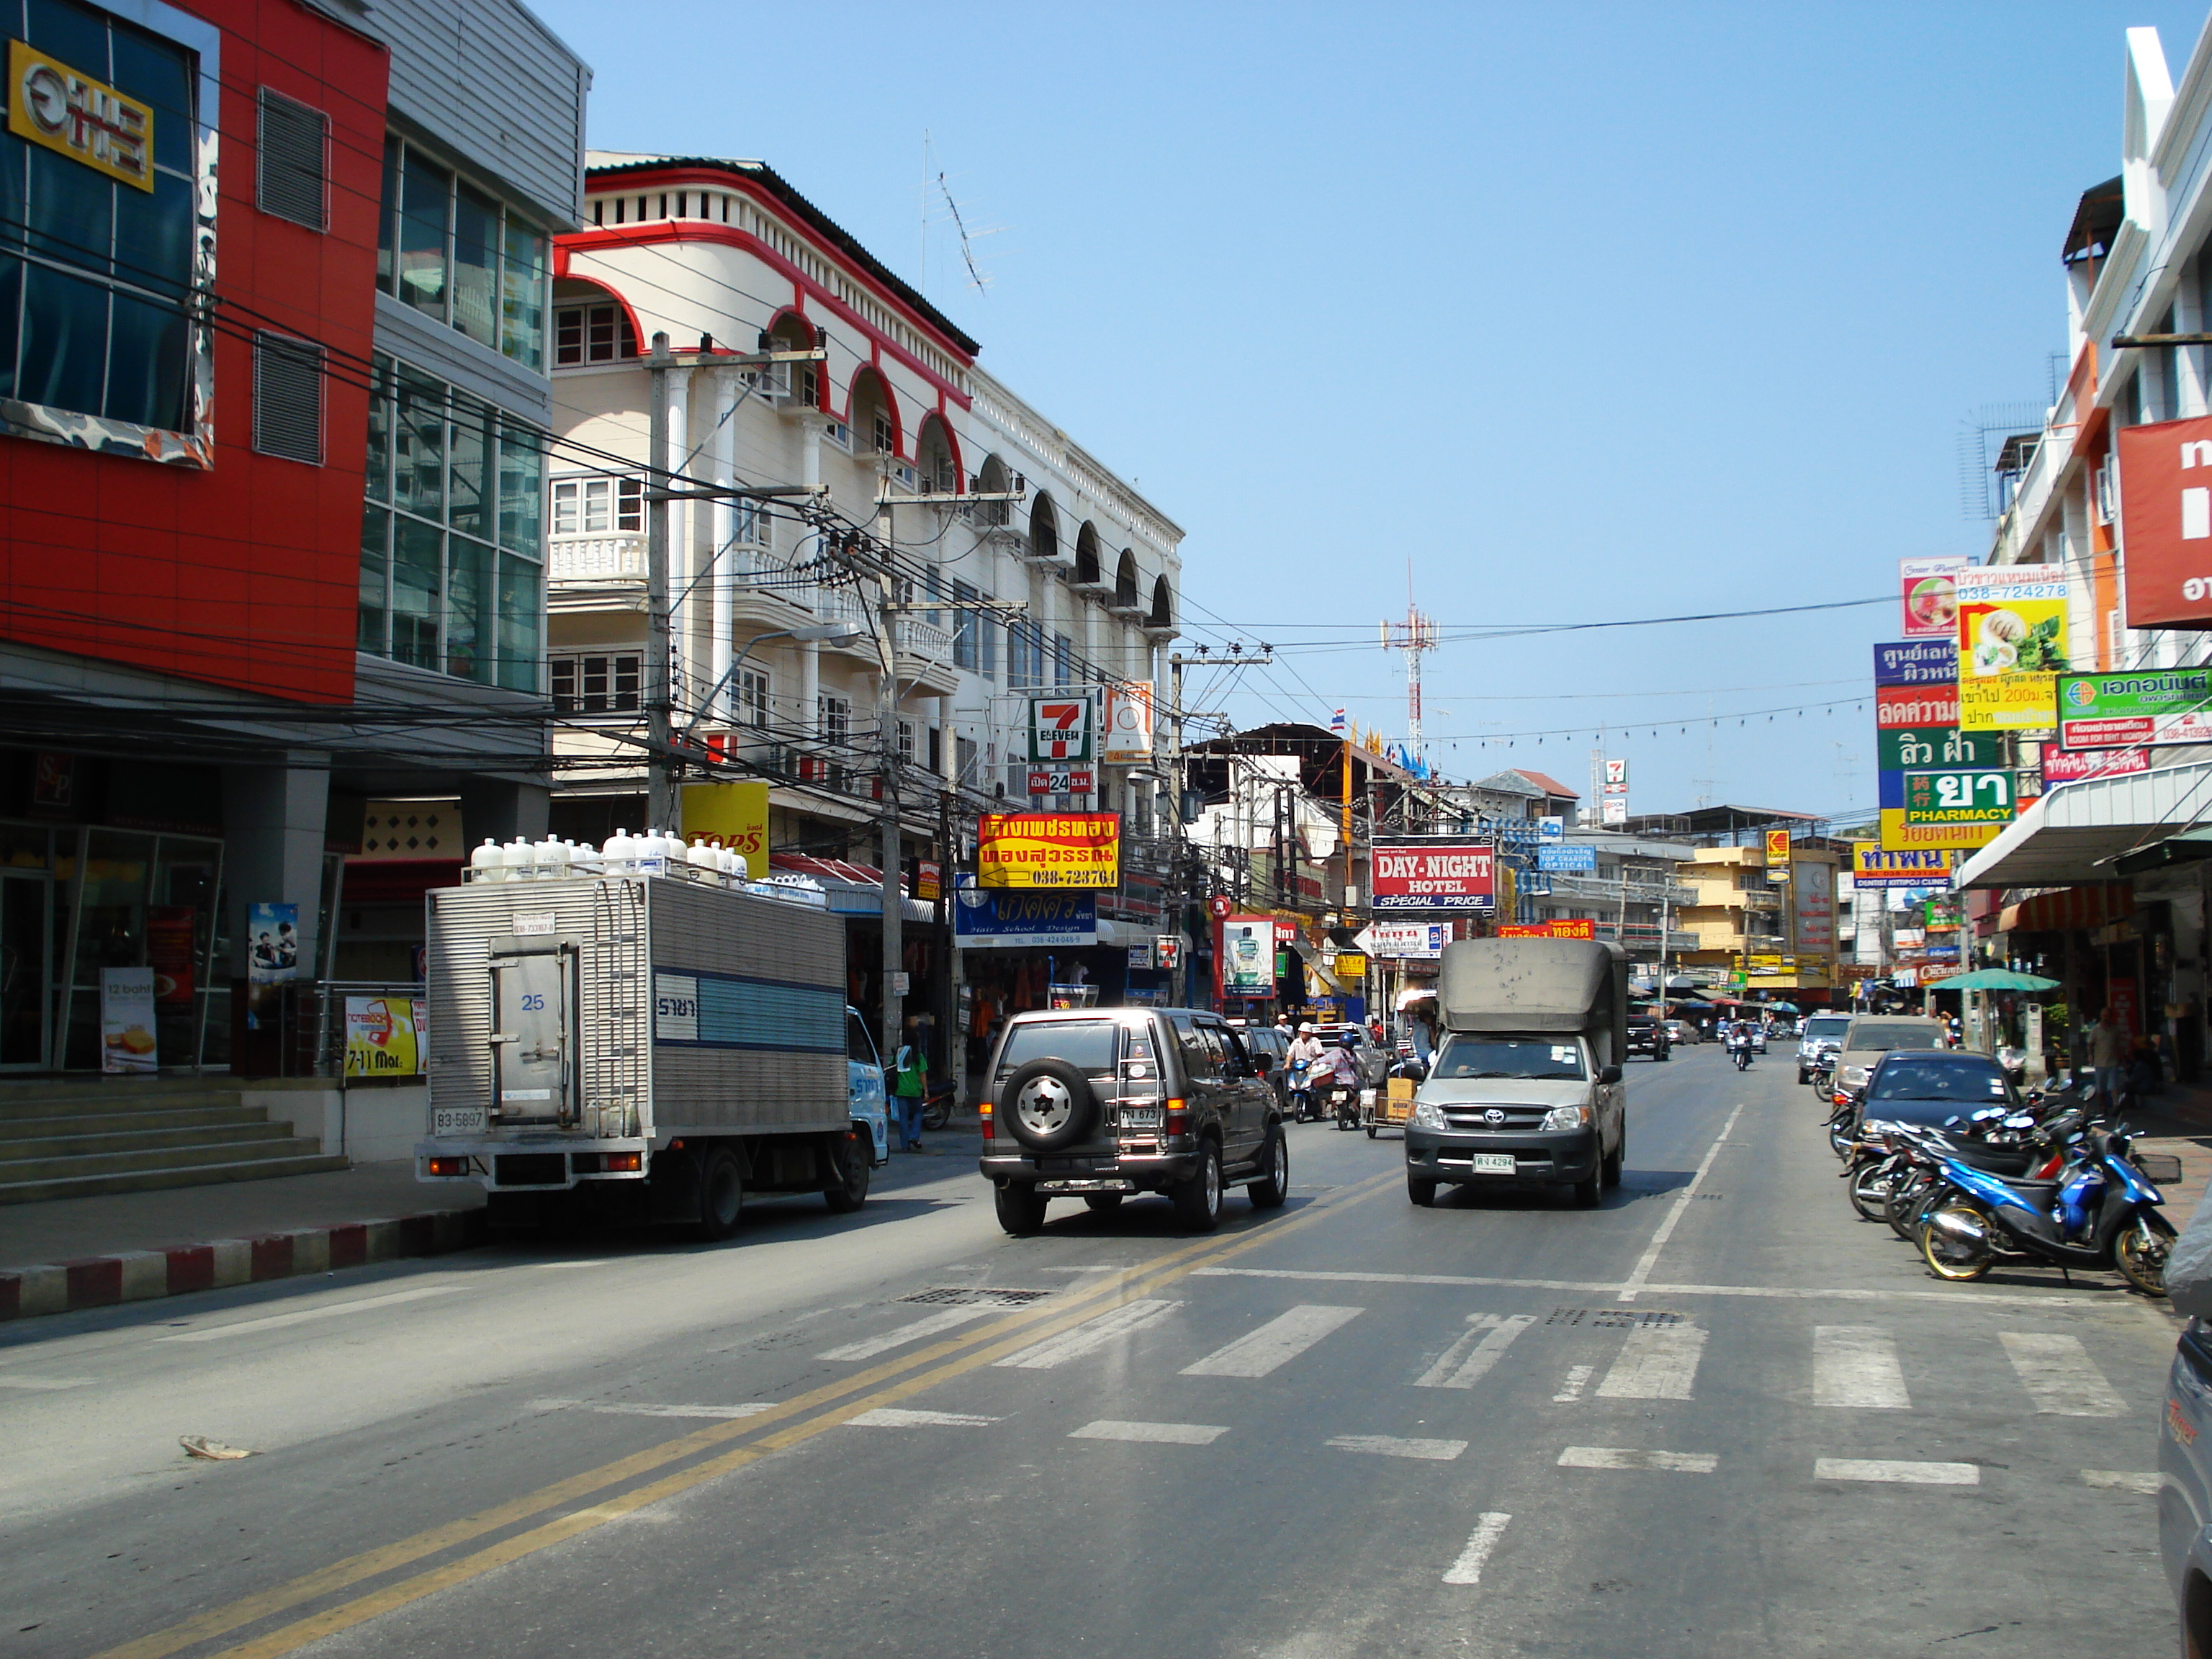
{"x":648,"y":1047}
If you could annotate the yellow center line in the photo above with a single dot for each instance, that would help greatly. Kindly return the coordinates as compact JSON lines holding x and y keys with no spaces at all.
{"x":950,"y":1357}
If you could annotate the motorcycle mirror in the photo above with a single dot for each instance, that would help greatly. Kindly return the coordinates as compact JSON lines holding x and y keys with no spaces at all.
{"x":1954,"y":1121}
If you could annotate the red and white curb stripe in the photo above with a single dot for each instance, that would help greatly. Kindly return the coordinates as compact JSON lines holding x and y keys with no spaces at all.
{"x":101,"y":1281}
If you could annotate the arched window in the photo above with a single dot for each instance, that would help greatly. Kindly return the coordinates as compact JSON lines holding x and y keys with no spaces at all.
{"x":1086,"y":555}
{"x":936,"y":459}
{"x":874,"y":417}
{"x":1124,"y":583}
{"x":993,"y":480}
{"x":591,"y":325}
{"x":798,"y":381}
{"x":1044,"y":530}
{"x":1162,"y":615}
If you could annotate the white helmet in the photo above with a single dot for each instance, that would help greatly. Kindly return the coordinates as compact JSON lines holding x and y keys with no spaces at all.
{"x":1305,"y":1027}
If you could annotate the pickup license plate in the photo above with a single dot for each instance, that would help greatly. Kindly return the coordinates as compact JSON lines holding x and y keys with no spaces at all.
{"x":1494,"y":1164}
{"x":1140,"y":1117}
{"x":457,"y":1121}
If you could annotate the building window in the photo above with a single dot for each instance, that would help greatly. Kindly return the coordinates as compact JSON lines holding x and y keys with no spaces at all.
{"x":836,"y":715}
{"x":288,"y":398}
{"x":293,"y":157}
{"x":598,"y":506}
{"x":838,"y":433}
{"x":102,"y":315}
{"x":886,"y":439}
{"x":456,"y":251}
{"x":906,"y":742}
{"x":750,"y":688}
{"x":592,"y":334}
{"x":595,"y":682}
{"x":452,"y":577}
{"x":1063,"y":660}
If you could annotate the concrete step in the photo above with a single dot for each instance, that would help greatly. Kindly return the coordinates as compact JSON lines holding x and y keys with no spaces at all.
{"x":174,"y":1158}
{"x":143,"y":1181}
{"x":14,"y":1130}
{"x":95,"y":1102}
{"x":79,"y":1138}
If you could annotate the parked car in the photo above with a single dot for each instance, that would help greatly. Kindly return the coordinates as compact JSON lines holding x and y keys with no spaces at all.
{"x":1680,"y":1031}
{"x":1103,"y":1103}
{"x":1822,"y":1036}
{"x":1646,"y":1035}
{"x":1869,"y":1036}
{"x":1275,"y":1042}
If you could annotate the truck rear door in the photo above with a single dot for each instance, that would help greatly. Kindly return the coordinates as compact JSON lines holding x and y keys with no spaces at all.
{"x":533,"y":1000}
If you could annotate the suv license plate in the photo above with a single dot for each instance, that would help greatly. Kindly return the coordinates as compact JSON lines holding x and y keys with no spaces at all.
{"x":1140,"y":1117}
{"x":1494,"y":1164}
{"x":457,"y":1121}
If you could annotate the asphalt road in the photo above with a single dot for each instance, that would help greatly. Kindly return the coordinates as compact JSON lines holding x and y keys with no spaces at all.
{"x":1719,"y":1414}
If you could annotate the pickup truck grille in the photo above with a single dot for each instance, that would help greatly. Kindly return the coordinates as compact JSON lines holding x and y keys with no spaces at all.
{"x":1477,"y":1117}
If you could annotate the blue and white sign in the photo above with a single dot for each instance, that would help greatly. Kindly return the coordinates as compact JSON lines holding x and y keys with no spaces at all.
{"x":726,"y":1010}
{"x":1021,"y":919}
{"x":1566,"y":858}
{"x":1915,"y":662}
{"x":1551,"y":827}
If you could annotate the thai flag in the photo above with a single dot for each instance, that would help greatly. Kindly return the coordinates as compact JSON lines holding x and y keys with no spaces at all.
{"x":1336,"y":722}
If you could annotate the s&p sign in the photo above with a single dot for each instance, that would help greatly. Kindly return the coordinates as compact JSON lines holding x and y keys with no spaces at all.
{"x":1457,"y":876}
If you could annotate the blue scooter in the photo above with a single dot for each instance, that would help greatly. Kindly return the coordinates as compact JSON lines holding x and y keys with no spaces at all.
{"x":2101,"y":1212}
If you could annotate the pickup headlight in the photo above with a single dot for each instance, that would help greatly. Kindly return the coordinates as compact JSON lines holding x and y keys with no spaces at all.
{"x":1567,"y":1117}
{"x":1854,"y":1076}
{"x":1427,"y":1115}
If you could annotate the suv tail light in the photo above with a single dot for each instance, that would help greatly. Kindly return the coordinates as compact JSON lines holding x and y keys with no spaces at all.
{"x":1178,"y":1117}
{"x":983,"y":1109}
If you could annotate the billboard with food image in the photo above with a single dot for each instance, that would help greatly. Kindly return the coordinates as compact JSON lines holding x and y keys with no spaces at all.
{"x":2012,"y":645}
{"x":1931,"y":597}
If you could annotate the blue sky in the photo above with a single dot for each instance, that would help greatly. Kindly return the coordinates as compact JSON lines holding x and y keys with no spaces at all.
{"x":1589,"y":312}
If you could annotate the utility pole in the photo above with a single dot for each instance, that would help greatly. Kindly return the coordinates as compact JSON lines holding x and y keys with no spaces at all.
{"x":948,"y":995}
{"x":661,"y":810}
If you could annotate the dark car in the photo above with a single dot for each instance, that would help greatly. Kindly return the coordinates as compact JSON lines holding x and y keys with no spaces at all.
{"x":1933,"y":1087}
{"x":1648,"y":1036}
{"x":1275,"y":1042}
{"x":1101,"y":1104}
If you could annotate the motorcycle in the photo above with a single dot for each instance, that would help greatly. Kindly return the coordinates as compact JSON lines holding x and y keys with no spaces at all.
{"x":1342,"y":1103}
{"x":1909,"y":1180}
{"x":1302,"y":1094}
{"x":1740,"y":1051}
{"x":2101,"y":1211}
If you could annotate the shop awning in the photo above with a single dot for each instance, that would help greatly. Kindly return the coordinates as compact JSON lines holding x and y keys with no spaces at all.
{"x":2069,"y":906}
{"x":2076,"y":832}
{"x":852,"y":889}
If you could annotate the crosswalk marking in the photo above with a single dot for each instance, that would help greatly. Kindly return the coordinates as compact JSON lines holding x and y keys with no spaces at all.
{"x":41,"y":1384}
{"x":943,"y":1320}
{"x":1468,"y":1360}
{"x":1623,"y":1457}
{"x":1856,"y":1366}
{"x":1090,"y":1335}
{"x":1658,"y":1362}
{"x":1578,"y":1378}
{"x":1166,"y":1434}
{"x":2060,"y":1377}
{"x":1276,"y":1343}
{"x":1385,"y":1445}
{"x":1468,"y":1569}
{"x":893,"y":1417}
{"x":1897,"y":1469}
{"x":2122,"y":1480}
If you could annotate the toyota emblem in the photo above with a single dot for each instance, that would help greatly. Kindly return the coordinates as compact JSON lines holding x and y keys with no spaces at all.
{"x":1493,"y":1117}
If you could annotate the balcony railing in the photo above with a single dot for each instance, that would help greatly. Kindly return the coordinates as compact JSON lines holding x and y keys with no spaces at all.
{"x":596,"y":559}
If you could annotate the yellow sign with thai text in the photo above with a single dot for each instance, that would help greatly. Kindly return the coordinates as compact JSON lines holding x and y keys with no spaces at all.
{"x":52,"y":105}
{"x":1899,"y":837}
{"x":1048,"y":849}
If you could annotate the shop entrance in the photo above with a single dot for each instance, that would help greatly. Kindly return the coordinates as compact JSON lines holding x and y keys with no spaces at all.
{"x":26,"y":928}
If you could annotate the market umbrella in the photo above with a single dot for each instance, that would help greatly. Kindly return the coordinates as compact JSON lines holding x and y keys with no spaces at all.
{"x":1995,"y":979}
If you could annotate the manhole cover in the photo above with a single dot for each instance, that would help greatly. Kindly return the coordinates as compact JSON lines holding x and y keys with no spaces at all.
{"x":1614,"y":1319}
{"x":969,"y":1295}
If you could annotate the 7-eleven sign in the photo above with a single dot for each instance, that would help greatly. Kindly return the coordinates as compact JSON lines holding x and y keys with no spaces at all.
{"x":1060,"y":729}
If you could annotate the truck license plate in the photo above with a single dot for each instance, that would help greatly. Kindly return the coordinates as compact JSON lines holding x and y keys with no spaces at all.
{"x":457,"y":1121}
{"x":1493,"y":1163}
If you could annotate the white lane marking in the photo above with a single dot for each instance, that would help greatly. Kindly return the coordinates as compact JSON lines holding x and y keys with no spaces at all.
{"x":303,"y":1315}
{"x":1578,"y":1378}
{"x":41,"y":1384}
{"x":1165,"y":1434}
{"x":632,"y":1408}
{"x":1897,"y":1470}
{"x":1090,"y":1336}
{"x":1468,"y":1569}
{"x":1458,"y":1368}
{"x":1856,"y":1366}
{"x":1385,"y":1445}
{"x":1279,"y":1341}
{"x":1784,"y":1292}
{"x":1660,"y":1362}
{"x":1623,"y":1457}
{"x":943,"y":1320}
{"x":893,"y":1417}
{"x":2122,"y":1480}
{"x":1639,"y":1277}
{"x":2059,"y":1376}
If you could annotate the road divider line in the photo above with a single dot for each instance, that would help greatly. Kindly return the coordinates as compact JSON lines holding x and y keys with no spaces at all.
{"x":1468,"y":1569}
{"x":952,"y":1358}
{"x":1624,"y":1457}
{"x":1275,"y":1344}
{"x":1854,"y":1367}
{"x":1897,"y":1470}
{"x":1640,"y":1274}
{"x":2059,"y":1376}
{"x":1459,"y":1368}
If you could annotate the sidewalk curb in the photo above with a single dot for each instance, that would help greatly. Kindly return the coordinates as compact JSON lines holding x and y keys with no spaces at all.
{"x":102,"y":1281}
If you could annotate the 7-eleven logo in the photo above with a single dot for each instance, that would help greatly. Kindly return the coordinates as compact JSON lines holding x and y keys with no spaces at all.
{"x":1060,"y":729}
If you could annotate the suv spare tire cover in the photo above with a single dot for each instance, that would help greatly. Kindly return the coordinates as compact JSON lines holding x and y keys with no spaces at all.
{"x":1048,"y":1105}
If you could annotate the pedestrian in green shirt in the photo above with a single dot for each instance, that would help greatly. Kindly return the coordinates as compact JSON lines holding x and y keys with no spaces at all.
{"x":908,"y":1074}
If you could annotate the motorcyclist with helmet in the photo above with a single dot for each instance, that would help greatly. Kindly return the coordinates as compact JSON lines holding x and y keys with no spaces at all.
{"x":1305,"y":1053}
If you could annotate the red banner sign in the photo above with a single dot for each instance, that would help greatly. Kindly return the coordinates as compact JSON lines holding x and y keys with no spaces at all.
{"x":1435,"y":875}
{"x":2069,"y":766}
{"x":1577,"y":927}
{"x":2165,"y":521}
{"x":1901,"y":707}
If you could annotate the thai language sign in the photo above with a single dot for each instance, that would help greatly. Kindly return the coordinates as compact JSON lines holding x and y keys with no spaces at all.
{"x":1876,"y":865}
{"x":1565,"y":928}
{"x":1915,"y":662}
{"x":1048,"y":849}
{"x":2071,"y":766}
{"x":1938,"y":745}
{"x":987,"y":919}
{"x":2166,"y":513}
{"x":1931,"y":597}
{"x":1901,"y":836}
{"x":2012,"y":640}
{"x":1958,"y":797}
{"x":2158,"y":707}
{"x":1566,"y":858}
{"x":1898,"y":706}
{"x":1435,"y":875}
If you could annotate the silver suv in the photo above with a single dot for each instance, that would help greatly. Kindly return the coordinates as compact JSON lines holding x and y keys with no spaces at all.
{"x":1099,"y":1103}
{"x":1821,"y":1038}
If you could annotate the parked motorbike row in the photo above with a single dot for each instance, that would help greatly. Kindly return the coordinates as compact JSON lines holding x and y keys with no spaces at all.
{"x":2054,"y":1184}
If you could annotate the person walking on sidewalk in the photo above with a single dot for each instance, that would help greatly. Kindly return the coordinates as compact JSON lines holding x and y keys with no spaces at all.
{"x":2108,"y":1057}
{"x":909,"y":1079}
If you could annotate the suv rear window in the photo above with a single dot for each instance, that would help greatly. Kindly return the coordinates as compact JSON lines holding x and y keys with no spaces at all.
{"x":1883,"y":1035}
{"x":1085,"y":1044}
{"x":1827,"y":1025}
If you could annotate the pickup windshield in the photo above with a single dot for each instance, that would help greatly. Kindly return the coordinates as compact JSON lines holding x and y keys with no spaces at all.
{"x":1509,"y":1056}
